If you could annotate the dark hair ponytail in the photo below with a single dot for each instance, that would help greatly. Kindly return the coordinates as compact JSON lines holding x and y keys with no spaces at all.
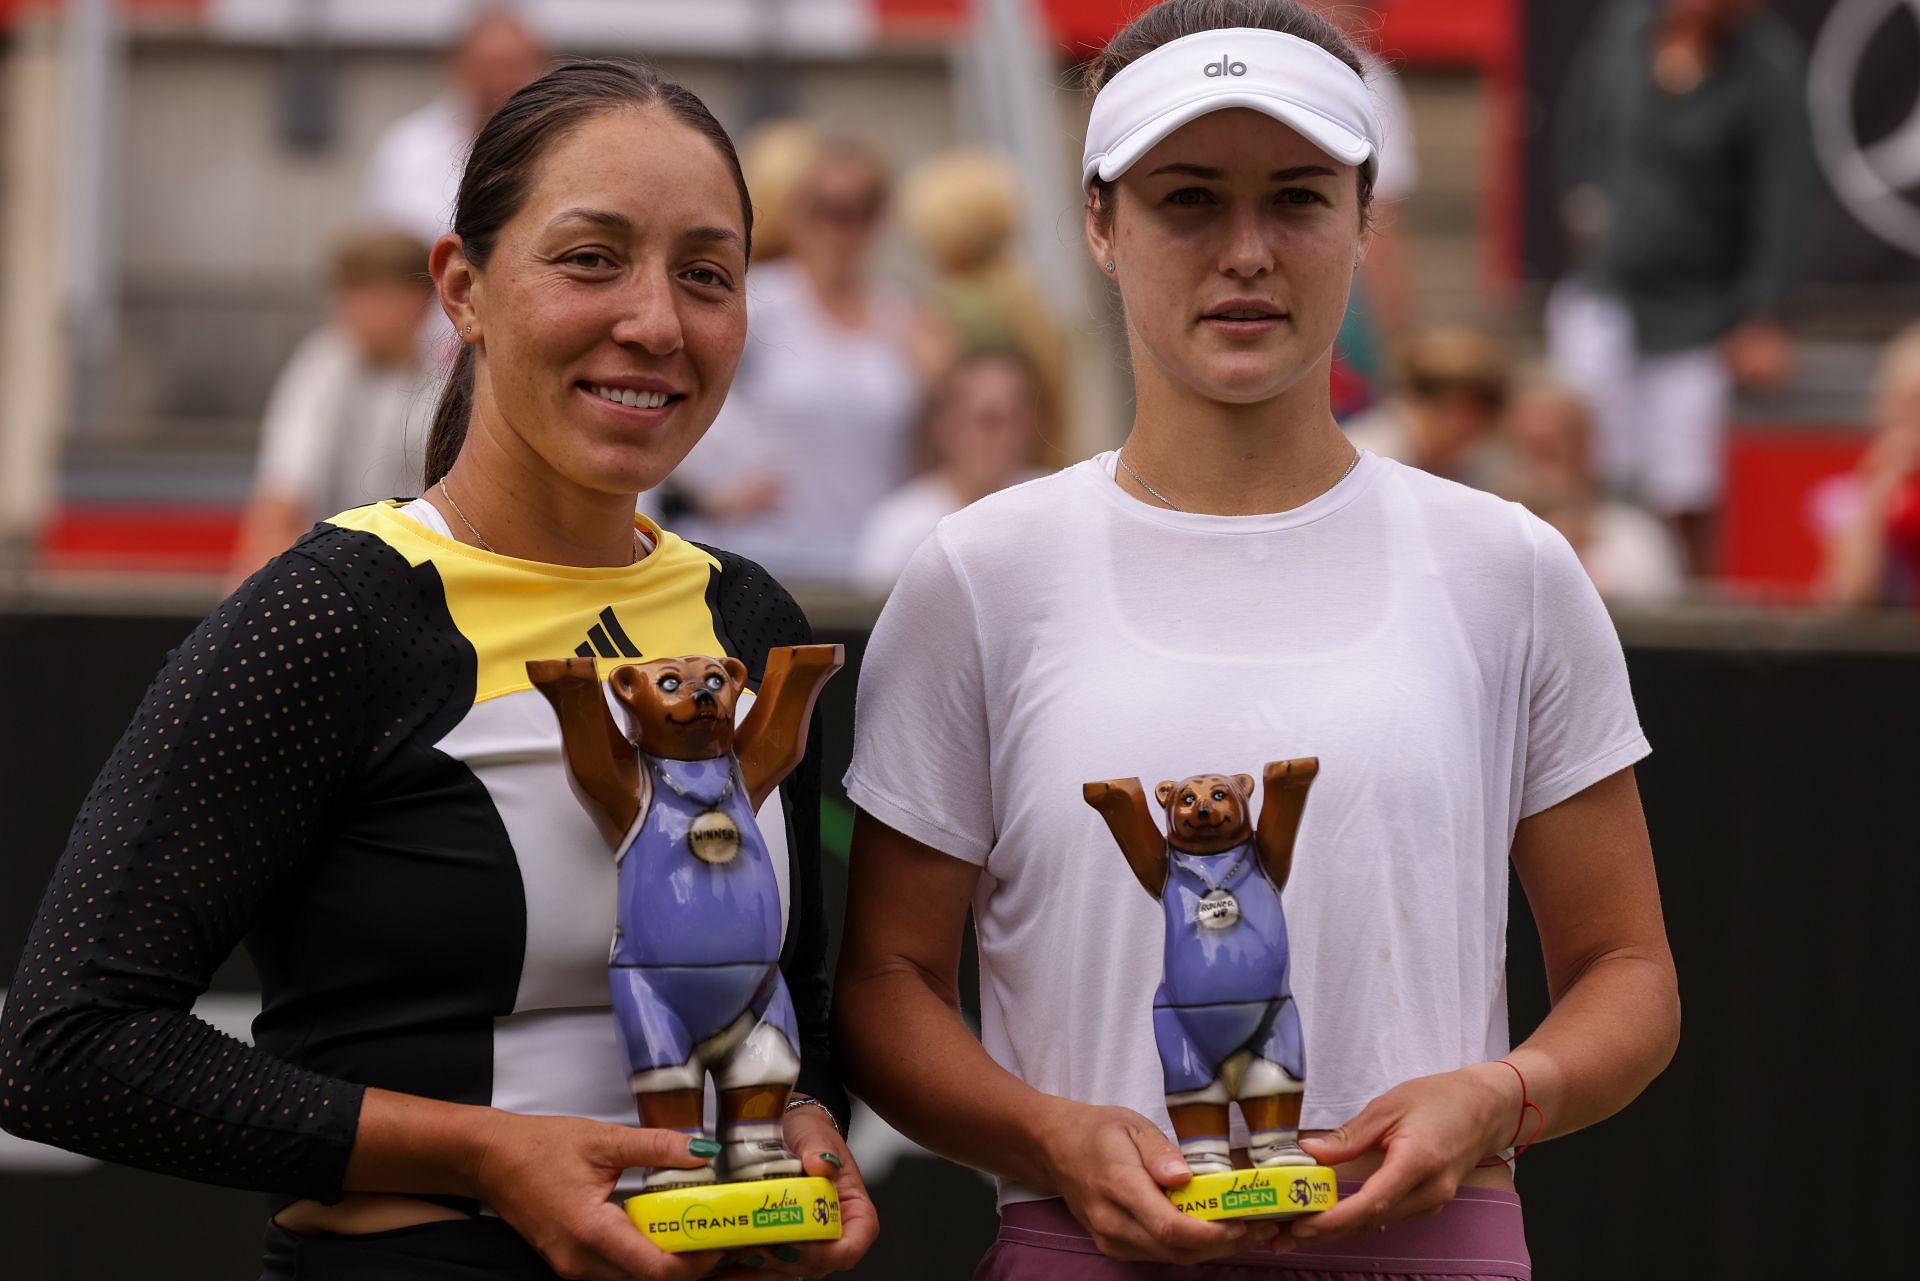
{"x":500,"y":165}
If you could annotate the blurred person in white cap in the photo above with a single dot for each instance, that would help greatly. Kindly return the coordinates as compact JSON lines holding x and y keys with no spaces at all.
{"x":1238,"y":585}
{"x":414,"y":171}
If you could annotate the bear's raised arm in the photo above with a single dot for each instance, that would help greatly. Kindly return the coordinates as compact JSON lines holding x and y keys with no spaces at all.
{"x":773,"y":738}
{"x":1122,"y":802}
{"x":1280,"y":808}
{"x":598,"y":751}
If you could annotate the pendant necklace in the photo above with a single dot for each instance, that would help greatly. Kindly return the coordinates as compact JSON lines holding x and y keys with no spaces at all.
{"x":714,"y":837}
{"x":1217,"y":908}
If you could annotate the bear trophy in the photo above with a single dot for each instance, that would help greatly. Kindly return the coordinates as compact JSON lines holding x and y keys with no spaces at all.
{"x":1224,"y":1018}
{"x":694,"y":964}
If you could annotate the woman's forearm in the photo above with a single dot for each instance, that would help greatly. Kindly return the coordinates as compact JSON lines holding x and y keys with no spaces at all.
{"x":1612,"y":1031}
{"x":405,"y":1143}
{"x":917,"y":1063}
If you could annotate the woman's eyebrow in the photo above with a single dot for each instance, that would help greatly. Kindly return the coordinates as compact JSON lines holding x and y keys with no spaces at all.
{"x":723,"y":234}
{"x":597,"y":217}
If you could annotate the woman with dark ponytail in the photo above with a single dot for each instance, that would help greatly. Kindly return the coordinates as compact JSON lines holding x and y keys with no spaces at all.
{"x":346,"y":769}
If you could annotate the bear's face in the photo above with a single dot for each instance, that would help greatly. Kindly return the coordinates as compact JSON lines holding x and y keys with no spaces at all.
{"x":1208,"y":812}
{"x":682,"y":708}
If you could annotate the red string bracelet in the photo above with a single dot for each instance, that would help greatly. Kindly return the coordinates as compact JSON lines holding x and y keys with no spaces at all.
{"x":1526,"y":1105}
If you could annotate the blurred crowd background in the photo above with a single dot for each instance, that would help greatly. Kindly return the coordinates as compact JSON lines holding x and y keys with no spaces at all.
{"x":1647,"y":266}
{"x":1651,"y":267}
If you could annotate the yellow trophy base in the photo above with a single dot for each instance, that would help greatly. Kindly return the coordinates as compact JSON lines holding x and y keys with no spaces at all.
{"x":726,"y":1216}
{"x":1274,"y":1192}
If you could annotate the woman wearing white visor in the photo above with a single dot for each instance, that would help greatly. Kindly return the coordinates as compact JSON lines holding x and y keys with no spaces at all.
{"x":1236,"y":586}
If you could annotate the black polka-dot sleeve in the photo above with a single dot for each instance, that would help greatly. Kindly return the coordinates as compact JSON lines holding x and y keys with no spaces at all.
{"x":220,"y":785}
{"x":753,"y":614}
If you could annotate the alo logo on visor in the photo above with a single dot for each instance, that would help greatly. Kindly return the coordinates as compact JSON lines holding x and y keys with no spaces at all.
{"x":1225,"y":67}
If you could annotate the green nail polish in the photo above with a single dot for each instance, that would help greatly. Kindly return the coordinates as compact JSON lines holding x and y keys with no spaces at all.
{"x":785,"y":1253}
{"x":752,"y":1261}
{"x":703,"y":1147}
{"x":832,"y":1160}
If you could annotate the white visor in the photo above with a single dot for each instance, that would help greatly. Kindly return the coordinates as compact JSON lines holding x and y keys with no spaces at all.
{"x":1293,"y":80}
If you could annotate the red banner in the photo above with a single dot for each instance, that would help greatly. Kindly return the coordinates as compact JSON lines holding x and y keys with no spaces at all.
{"x":1478,"y":33}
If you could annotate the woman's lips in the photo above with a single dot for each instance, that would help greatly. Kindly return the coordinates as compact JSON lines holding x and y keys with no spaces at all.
{"x":1243,"y":317}
{"x":1237,"y":327}
{"x":651,"y":407}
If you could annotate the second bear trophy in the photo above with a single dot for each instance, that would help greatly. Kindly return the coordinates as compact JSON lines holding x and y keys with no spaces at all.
{"x":1224,"y":1018}
{"x":695,"y":961}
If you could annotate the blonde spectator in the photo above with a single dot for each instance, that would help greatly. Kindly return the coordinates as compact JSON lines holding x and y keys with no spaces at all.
{"x":1630,"y":555}
{"x":777,"y":157}
{"x":820,"y":424}
{"x":1452,"y":389}
{"x":348,"y":415}
{"x":963,"y":210}
{"x":1871,"y":518}
{"x":986,"y":428}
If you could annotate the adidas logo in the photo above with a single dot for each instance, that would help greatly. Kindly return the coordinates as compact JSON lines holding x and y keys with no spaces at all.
{"x":607,"y":639}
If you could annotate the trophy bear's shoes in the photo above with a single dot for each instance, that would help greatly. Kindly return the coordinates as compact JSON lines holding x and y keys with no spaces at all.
{"x":1206,"y":1156}
{"x":1277,"y":1147}
{"x":662,"y":1179}
{"x":757,"y":1151}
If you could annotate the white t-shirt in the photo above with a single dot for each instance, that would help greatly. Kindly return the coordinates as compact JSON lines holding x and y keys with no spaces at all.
{"x":1439,"y":650}
{"x":829,"y":410}
{"x":339,"y":433}
{"x":413,"y":175}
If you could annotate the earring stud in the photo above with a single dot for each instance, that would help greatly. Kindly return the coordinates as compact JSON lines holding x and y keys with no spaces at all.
{"x":1109,"y":266}
{"x":468,"y":331}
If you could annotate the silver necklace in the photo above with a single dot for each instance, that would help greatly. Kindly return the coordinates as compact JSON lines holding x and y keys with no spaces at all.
{"x":1141,"y":481}
{"x":713,"y":837}
{"x":1217,"y":908}
{"x":448,"y":495}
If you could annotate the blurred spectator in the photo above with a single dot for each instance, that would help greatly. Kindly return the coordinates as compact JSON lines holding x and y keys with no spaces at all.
{"x":1871,"y":518}
{"x":963,"y":209}
{"x":1629,"y":553}
{"x":1688,"y":175}
{"x":986,"y":428}
{"x":415,"y":169}
{"x":819,"y":426}
{"x":348,"y":416}
{"x":1452,"y":389}
{"x":776,"y":158}
{"x":1381,"y":317}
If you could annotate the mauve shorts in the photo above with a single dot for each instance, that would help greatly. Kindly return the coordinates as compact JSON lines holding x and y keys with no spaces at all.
{"x":1478,"y":1237}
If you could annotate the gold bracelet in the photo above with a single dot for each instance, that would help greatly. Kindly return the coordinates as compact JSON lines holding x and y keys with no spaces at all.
{"x":807,"y":1100}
